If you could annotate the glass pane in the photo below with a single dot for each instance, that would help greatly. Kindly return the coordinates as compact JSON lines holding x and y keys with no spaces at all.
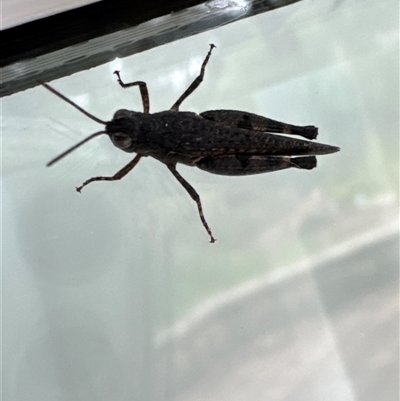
{"x":115,"y":293}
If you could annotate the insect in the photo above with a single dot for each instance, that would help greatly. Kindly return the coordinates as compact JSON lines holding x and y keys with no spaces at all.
{"x":225,"y":142}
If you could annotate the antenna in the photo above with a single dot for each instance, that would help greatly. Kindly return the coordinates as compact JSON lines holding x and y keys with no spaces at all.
{"x":48,"y":87}
{"x":59,"y":157}
{"x":62,"y":155}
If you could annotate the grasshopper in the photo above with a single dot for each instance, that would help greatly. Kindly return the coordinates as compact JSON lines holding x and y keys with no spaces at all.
{"x":225,"y":142}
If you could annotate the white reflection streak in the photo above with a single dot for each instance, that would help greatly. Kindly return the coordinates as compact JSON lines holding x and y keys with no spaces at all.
{"x":228,"y":4}
{"x":115,"y":65}
{"x":316,"y":348}
{"x":83,"y":100}
{"x":213,"y":304}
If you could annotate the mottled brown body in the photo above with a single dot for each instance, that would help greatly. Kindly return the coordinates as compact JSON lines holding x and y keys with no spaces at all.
{"x":192,"y":139}
{"x":226,"y":142}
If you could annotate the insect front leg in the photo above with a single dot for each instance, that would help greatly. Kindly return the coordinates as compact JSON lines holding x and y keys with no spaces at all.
{"x":144,"y":93}
{"x":195,"y":83}
{"x":117,"y":176}
{"x":194,"y":195}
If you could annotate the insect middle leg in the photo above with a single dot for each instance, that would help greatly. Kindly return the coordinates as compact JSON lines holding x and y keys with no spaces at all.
{"x":195,"y":83}
{"x":144,"y":93}
{"x":194,"y":195}
{"x":117,"y":176}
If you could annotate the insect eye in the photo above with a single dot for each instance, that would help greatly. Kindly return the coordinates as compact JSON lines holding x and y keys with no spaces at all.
{"x":121,"y":140}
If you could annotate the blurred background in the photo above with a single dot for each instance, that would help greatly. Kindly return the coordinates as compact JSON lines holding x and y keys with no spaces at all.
{"x":116,"y":293}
